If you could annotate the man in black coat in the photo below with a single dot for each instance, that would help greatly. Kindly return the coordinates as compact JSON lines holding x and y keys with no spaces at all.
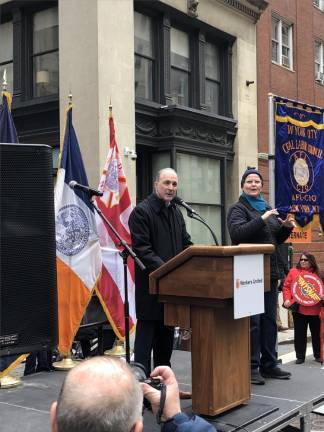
{"x":158,"y":234}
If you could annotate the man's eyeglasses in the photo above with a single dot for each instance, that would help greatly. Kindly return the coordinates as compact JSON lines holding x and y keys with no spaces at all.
{"x":303,"y":259}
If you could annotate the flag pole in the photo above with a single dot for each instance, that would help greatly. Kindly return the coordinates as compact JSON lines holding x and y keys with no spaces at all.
{"x":271,"y":151}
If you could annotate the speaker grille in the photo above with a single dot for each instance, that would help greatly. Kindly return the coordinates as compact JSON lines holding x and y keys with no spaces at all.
{"x":28,"y":297}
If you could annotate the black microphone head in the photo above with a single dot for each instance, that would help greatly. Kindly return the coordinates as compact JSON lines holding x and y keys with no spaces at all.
{"x":72,"y":184}
{"x":177,"y":200}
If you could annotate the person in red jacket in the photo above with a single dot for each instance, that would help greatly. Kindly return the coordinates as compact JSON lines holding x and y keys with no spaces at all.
{"x":303,"y":315}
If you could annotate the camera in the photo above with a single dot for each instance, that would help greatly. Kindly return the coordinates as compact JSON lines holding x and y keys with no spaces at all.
{"x":155,"y":383}
{"x":130,"y":153}
{"x":140,"y":373}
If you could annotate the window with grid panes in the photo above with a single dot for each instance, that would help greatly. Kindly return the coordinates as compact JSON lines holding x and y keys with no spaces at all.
{"x":282,"y":43}
{"x":319,"y":61}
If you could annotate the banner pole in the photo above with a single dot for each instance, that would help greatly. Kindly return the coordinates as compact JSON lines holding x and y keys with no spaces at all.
{"x":271,"y":150}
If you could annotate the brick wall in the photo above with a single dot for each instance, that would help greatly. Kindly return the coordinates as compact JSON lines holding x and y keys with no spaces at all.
{"x":297,"y":84}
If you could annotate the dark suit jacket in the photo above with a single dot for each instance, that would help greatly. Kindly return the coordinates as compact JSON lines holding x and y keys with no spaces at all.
{"x":245,"y":225}
{"x":158,"y":234}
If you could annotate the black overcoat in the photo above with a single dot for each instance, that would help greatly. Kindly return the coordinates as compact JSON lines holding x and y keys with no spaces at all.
{"x":245,"y":225}
{"x":158,"y":234}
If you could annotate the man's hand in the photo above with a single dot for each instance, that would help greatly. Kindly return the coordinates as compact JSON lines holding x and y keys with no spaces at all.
{"x":172,"y":401}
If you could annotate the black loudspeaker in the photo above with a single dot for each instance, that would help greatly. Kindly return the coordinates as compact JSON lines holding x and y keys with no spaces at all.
{"x":28,"y":296}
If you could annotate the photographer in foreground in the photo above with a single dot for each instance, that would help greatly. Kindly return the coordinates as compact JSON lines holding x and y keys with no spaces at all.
{"x":170,"y":416}
{"x":103,"y":395}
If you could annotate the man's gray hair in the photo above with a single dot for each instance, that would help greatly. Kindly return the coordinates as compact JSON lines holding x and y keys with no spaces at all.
{"x":99,"y":395}
{"x":158,"y":174}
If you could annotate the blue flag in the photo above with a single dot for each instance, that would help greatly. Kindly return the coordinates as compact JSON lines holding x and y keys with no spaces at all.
{"x":8,"y":133}
{"x":299,"y":161}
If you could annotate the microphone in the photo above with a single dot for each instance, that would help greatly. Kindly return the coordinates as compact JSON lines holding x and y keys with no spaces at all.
{"x":179,"y":201}
{"x":90,"y":192}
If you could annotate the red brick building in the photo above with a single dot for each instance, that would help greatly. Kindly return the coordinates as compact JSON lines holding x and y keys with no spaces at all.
{"x":290,"y":64}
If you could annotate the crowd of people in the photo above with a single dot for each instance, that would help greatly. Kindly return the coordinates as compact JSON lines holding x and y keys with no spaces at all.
{"x":103,"y":394}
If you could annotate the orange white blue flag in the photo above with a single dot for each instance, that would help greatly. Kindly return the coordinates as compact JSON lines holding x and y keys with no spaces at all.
{"x":77,"y":245}
{"x":116,"y":206}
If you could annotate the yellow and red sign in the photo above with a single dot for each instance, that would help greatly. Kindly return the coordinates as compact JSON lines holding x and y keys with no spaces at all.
{"x":307,"y":289}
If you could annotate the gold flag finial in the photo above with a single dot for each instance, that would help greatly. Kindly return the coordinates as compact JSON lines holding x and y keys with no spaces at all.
{"x":110,"y":108}
{"x":70,"y":98}
{"x":4,"y":80}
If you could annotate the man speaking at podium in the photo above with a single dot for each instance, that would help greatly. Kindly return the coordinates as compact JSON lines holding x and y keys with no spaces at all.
{"x":158,"y":233}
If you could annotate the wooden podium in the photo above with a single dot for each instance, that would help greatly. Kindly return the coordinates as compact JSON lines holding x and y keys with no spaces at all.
{"x":197,"y":288}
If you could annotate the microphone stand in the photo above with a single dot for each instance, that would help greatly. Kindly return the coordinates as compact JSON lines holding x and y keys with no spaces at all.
{"x":197,"y":217}
{"x":125,"y":253}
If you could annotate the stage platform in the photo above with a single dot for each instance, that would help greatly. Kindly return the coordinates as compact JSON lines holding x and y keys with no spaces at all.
{"x":271,"y":408}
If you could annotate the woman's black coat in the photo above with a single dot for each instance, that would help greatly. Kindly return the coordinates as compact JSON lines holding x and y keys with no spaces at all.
{"x":158,"y":234}
{"x":245,"y":225}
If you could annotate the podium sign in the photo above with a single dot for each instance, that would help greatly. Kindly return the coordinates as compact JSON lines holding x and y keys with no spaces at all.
{"x":248,"y":285}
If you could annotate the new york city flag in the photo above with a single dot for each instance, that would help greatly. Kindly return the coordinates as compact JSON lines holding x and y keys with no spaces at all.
{"x":77,"y":246}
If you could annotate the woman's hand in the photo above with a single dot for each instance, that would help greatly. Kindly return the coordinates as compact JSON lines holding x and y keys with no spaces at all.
{"x":268,"y":213}
{"x":287,"y":303}
{"x":288,"y":222}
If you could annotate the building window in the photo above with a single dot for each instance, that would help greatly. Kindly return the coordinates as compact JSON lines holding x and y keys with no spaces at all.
{"x":212,"y":77}
{"x":203,"y":194}
{"x":319,"y":62}
{"x":180,"y":67}
{"x":319,"y":4}
{"x":282,"y":43}
{"x":144,"y":57}
{"x":6,"y":53}
{"x":45,"y":53}
{"x":174,"y":65}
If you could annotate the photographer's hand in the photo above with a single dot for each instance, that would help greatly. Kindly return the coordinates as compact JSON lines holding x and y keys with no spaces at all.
{"x":172,"y":401}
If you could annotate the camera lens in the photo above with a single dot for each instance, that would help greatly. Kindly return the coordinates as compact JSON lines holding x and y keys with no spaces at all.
{"x":139,"y":371}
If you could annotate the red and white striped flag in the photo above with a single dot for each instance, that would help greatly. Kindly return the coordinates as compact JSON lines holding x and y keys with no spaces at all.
{"x":116,"y":206}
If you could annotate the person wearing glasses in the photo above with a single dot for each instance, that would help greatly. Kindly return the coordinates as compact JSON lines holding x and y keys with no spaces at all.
{"x":252,"y":220}
{"x":303,"y":316}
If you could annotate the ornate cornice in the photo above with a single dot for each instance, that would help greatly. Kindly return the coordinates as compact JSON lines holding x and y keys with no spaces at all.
{"x":251,"y":8}
{"x":184,"y":128}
